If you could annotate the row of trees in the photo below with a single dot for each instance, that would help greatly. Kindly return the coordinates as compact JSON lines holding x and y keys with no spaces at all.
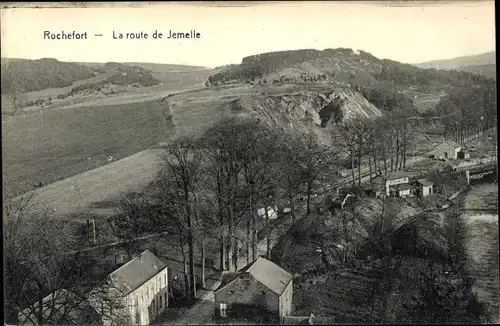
{"x":384,"y":142}
{"x":468,"y":112}
{"x":212,"y":187}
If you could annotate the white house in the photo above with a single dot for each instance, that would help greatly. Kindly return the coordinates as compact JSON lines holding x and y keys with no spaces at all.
{"x":423,"y":187}
{"x":143,"y":285}
{"x":447,"y":150}
{"x":272,"y":212}
{"x":396,"y":179}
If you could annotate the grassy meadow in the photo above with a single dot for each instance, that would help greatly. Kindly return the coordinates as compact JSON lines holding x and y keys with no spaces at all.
{"x":50,"y":145}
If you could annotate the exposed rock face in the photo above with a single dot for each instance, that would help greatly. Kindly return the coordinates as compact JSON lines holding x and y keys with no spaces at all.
{"x":310,"y":110}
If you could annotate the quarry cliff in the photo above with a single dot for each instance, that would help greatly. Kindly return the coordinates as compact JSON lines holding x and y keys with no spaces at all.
{"x":314,"y":111}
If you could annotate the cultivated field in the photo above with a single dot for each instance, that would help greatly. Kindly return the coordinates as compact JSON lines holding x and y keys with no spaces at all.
{"x":88,"y":192}
{"x":54,"y":144}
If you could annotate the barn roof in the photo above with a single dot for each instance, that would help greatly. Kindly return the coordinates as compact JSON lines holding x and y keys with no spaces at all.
{"x":136,"y":272}
{"x":265,"y":272}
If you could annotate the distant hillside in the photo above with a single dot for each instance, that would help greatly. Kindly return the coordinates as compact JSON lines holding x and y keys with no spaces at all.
{"x":342,"y":67}
{"x":122,"y":74}
{"x":158,"y":67}
{"x":489,"y":71}
{"x":23,"y":75}
{"x":488,"y":58}
{"x":387,"y":84}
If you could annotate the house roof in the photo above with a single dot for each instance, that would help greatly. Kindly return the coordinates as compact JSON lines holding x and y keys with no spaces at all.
{"x":400,"y":174}
{"x":448,"y":145}
{"x":425,"y":182}
{"x":403,"y":186}
{"x":136,"y":272}
{"x":265,"y":272}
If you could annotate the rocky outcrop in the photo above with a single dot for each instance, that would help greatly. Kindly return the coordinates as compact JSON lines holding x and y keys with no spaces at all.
{"x":316,"y":110}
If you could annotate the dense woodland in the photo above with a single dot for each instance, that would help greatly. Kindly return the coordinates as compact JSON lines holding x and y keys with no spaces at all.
{"x":20,"y":76}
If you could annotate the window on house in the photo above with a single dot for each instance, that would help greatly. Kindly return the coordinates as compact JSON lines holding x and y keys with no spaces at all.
{"x":137,"y":318}
{"x":223,"y":310}
{"x":153,"y":305}
{"x":161,"y":299}
{"x":231,"y":292}
{"x":166,"y":300}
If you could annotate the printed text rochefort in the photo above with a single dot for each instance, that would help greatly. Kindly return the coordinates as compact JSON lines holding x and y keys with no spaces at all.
{"x":47,"y":35}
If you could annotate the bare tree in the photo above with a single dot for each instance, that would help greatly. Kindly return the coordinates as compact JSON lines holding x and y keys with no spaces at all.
{"x":132,"y":219}
{"x":183,"y":163}
{"x":42,"y":285}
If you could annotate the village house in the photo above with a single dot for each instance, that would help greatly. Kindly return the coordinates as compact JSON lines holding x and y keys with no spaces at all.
{"x":423,"y":187}
{"x":142,"y":284}
{"x":261,"y":292}
{"x":446,"y":150}
{"x":401,"y":190}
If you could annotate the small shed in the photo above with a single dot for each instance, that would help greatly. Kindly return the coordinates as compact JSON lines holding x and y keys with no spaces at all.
{"x":423,"y":187}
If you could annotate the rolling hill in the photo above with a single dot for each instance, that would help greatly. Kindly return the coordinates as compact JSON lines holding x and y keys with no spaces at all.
{"x":345,"y":68}
{"x":23,"y":75}
{"x":483,"y":64}
{"x":342,"y":66}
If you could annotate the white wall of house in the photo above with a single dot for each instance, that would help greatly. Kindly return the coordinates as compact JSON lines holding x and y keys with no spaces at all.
{"x":149,"y":300}
{"x":285,"y":301}
{"x":393,"y":182}
{"x":426,"y":191}
{"x":404,"y":192}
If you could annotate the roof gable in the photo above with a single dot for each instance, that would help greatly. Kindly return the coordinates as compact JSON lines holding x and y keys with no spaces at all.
{"x":263,"y":271}
{"x":136,"y":272}
{"x":270,"y":275}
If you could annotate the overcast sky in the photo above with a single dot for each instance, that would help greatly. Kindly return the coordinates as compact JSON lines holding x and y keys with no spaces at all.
{"x":421,"y":32}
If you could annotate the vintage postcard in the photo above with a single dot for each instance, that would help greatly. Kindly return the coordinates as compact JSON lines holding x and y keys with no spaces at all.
{"x":272,"y":162}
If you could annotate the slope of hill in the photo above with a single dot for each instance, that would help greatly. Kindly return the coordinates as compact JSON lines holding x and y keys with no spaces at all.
{"x":488,"y":70}
{"x":343,"y":66}
{"x":346,"y":67}
{"x":488,"y":58}
{"x":23,"y":75}
{"x":157,"y":67}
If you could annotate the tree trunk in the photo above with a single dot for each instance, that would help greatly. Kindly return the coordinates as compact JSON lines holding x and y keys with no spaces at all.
{"x":268,"y":243}
{"x":248,"y":239}
{"x":360,"y":148}
{"x":352,"y":169}
{"x":203,"y":258}
{"x":308,"y":202}
{"x":185,"y":272}
{"x":397,"y":151}
{"x":370,"y":166}
{"x":222,"y":251}
{"x":235,"y":256}
{"x":254,"y":236}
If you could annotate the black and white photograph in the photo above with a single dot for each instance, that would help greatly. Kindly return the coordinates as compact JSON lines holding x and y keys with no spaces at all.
{"x":240,"y":162}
